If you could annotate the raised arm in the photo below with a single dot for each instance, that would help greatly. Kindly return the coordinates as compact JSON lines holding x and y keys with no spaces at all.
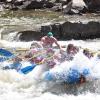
{"x":56,"y":42}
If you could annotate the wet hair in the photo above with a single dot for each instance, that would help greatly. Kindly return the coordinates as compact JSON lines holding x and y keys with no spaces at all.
{"x":35,"y":45}
{"x":70,"y":46}
{"x":72,"y":49}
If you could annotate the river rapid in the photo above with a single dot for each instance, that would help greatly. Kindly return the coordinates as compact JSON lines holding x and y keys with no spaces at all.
{"x":15,"y":86}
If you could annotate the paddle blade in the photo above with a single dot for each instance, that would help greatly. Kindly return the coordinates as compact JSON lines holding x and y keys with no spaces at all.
{"x":6,"y":53}
{"x":28,"y":69}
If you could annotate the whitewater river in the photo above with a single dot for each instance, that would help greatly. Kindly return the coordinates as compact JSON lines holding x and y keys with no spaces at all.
{"x":15,"y":86}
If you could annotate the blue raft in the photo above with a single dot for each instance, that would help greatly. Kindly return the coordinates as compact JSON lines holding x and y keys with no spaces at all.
{"x":70,"y":77}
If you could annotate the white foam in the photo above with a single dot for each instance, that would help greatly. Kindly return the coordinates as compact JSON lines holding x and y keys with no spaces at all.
{"x":15,"y":86}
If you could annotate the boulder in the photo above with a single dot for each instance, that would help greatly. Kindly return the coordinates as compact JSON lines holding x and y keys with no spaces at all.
{"x":93,"y":5}
{"x":27,"y":4}
{"x":81,"y":28}
{"x":73,"y":6}
{"x":29,"y":35}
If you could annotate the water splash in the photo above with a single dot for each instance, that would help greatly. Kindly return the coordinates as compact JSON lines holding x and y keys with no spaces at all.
{"x":12,"y":36}
{"x":28,"y":87}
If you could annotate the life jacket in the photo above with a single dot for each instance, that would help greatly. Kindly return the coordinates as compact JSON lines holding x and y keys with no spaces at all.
{"x":37,"y":60}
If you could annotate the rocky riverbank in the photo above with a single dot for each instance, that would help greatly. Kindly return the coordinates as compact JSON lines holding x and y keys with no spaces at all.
{"x":66,"y":6}
{"x":76,"y":27}
{"x":70,"y":19}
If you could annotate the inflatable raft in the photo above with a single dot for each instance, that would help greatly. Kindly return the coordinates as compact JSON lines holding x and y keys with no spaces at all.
{"x":70,"y":75}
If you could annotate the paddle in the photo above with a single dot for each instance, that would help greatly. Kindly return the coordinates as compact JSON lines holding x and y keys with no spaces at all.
{"x":27,"y":69}
{"x":5,"y":52}
{"x":5,"y":55}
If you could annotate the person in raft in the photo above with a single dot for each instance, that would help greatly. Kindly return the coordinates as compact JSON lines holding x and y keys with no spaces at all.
{"x":34,"y":55}
{"x":48,"y":41}
{"x":69,"y":54}
{"x":16,"y":64}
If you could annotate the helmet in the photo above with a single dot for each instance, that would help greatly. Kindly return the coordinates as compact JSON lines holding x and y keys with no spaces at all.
{"x":49,"y":34}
